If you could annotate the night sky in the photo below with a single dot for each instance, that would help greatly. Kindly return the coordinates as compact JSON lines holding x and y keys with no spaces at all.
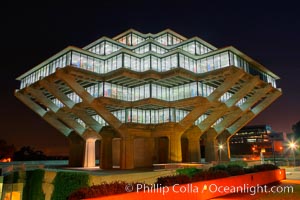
{"x":269,"y":33}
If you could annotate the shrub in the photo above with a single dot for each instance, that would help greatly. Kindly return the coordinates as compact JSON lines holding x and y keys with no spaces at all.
{"x":265,"y":167}
{"x":188,"y":171}
{"x":234,"y":170}
{"x":208,"y":175}
{"x":171,"y":180}
{"x":33,"y":185}
{"x":217,"y":167}
{"x":183,"y":179}
{"x":67,"y":182}
{"x":238,"y":162}
{"x":250,"y":170}
{"x":103,"y":189}
{"x":11,"y":178}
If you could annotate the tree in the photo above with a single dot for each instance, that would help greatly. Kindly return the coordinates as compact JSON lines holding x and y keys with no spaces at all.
{"x":28,"y":153}
{"x":6,"y":151}
{"x":296,"y":129}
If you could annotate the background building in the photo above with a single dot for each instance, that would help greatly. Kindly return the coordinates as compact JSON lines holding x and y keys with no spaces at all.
{"x":251,"y":140}
{"x":148,"y":98}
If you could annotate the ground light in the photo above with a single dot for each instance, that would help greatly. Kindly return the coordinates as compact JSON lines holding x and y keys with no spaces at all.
{"x":220,"y":153}
{"x":293,"y":147}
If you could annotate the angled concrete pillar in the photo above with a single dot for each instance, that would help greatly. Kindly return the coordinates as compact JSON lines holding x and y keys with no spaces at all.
{"x":259,"y":93}
{"x":96,"y":104}
{"x":213,"y":117}
{"x":247,"y":87}
{"x":175,"y":154}
{"x":55,"y":91}
{"x":127,"y":153}
{"x":224,"y":153}
{"x":46,"y":115}
{"x":211,"y":146}
{"x":76,"y":150}
{"x":67,"y":119}
{"x":200,"y":108}
{"x":106,"y":152}
{"x":229,"y":81}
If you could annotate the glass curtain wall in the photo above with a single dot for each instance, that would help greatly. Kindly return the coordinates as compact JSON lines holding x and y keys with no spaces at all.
{"x":150,"y":116}
{"x":97,"y":65}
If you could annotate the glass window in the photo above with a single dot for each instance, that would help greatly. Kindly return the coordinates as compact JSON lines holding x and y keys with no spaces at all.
{"x":100,"y":88}
{"x":160,"y":116}
{"x":224,"y":59}
{"x":154,"y":116}
{"x":83,"y":61}
{"x":187,"y":91}
{"x":113,"y":91}
{"x":142,"y":92}
{"x":136,"y":93}
{"x":134,"y":115}
{"x":147,"y":91}
{"x":107,"y":90}
{"x":125,"y":94}
{"x":175,"y":93}
{"x":75,"y":59}
{"x":181,"y":61}
{"x":126,"y":61}
{"x":217,"y":61}
{"x":134,"y":40}
{"x":193,"y":89}
{"x":159,"y":92}
{"x":210,"y":63}
{"x":128,"y":39}
{"x":181,"y":92}
{"x":140,"y":116}
{"x":154,"y":91}
{"x":174,"y":61}
{"x":147,"y":116}
{"x":154,"y":64}
{"x":146,"y":63}
{"x":163,"y":64}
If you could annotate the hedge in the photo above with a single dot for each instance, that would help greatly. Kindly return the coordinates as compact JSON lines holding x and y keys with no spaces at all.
{"x":67,"y":182}
{"x":33,"y":185}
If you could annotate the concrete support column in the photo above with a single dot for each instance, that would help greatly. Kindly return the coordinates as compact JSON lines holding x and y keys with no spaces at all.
{"x":175,"y":154}
{"x":106,"y":153}
{"x":76,"y":150}
{"x":224,"y":153}
{"x":89,"y":154}
{"x":194,"y":149}
{"x":127,"y":153}
{"x":210,"y":146}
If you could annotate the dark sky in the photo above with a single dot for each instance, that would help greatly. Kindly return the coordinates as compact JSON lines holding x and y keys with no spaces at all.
{"x":267,"y":32}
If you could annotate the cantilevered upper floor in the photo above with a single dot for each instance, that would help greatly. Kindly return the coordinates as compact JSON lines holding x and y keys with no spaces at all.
{"x":139,"y":52}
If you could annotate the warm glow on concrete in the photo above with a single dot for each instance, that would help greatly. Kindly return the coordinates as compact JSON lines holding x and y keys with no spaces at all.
{"x":16,"y":196}
{"x":90,"y":156}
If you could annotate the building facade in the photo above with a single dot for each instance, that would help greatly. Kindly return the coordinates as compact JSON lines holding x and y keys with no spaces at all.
{"x":252,"y":140}
{"x":148,"y":98}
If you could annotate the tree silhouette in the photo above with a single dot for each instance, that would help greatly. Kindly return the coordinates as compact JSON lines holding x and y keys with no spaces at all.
{"x":296,"y":130}
{"x":6,"y":151}
{"x":28,"y":153}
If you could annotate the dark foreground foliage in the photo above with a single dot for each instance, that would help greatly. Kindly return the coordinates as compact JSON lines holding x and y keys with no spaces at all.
{"x":183,"y":176}
{"x":103,"y":190}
